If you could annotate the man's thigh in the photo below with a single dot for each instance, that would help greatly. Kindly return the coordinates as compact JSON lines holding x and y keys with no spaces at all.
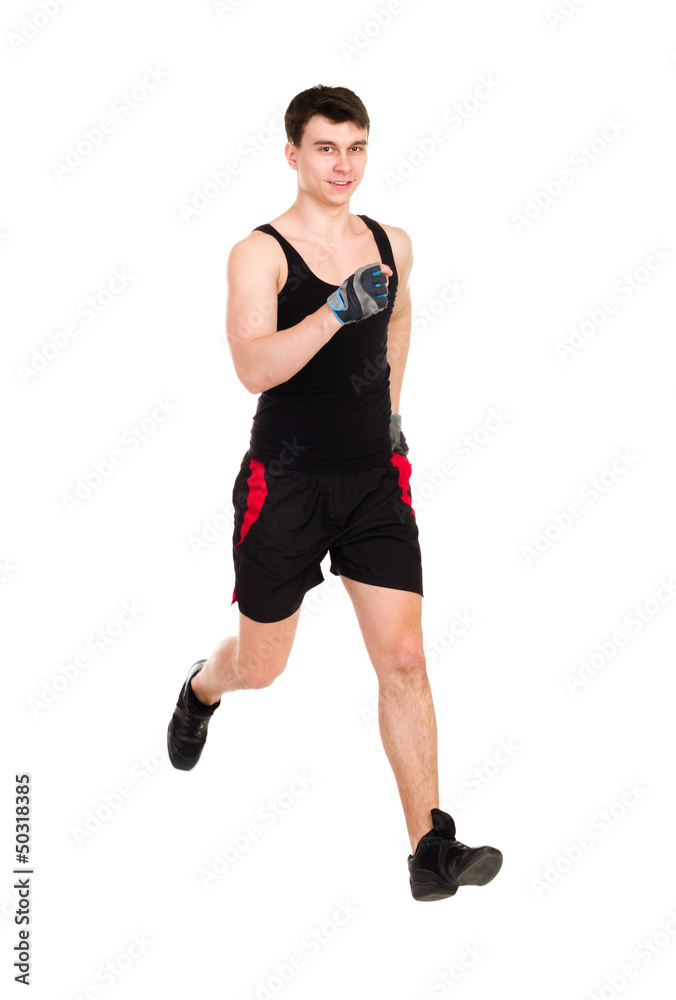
{"x":390,"y":624}
{"x":264,"y":647}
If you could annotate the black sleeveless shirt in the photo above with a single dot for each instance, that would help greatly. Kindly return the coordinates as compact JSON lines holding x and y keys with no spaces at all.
{"x":333,"y":415}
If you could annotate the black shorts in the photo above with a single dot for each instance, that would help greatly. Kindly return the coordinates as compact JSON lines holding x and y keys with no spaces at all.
{"x":286,"y":522}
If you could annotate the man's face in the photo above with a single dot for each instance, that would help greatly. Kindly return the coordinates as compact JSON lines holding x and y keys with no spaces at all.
{"x":330,"y":160}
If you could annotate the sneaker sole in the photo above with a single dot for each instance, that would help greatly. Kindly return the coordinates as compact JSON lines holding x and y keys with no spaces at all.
{"x":426,"y":892}
{"x":481,"y":868}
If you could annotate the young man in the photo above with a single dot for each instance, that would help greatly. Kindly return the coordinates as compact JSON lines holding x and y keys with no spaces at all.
{"x":326,"y":467}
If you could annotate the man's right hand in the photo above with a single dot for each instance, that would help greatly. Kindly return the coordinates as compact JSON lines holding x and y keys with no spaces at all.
{"x":361,"y":295}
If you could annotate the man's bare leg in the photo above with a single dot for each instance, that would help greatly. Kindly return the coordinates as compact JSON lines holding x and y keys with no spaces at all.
{"x":251,"y":659}
{"x":408,"y":732}
{"x":390,"y":623}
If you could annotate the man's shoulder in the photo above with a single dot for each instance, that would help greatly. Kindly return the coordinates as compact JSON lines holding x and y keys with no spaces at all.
{"x":398,"y":237}
{"x":255,"y":242}
{"x":257,"y":252}
{"x":402,"y":247}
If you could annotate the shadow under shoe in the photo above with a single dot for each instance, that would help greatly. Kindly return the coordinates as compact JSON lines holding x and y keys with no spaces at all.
{"x":187,"y":731}
{"x":441,"y":864}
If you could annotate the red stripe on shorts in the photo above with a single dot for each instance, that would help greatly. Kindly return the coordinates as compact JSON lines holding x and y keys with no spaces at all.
{"x":404,"y":467}
{"x":258,"y":490}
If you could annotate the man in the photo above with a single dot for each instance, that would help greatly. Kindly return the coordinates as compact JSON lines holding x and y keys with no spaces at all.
{"x":326,"y":468}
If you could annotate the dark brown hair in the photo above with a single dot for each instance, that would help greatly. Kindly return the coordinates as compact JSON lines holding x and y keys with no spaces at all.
{"x":338,"y":104}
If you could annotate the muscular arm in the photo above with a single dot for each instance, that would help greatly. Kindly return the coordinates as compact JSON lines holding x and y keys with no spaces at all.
{"x":399,"y":330}
{"x":262,"y":355}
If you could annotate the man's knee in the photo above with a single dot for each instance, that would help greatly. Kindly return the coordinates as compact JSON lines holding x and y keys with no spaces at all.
{"x":405,"y":658}
{"x":258,"y":666}
{"x":254,"y":671}
{"x":262,"y":677}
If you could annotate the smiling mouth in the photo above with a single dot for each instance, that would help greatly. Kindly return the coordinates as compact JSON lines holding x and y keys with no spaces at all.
{"x":340,"y":183}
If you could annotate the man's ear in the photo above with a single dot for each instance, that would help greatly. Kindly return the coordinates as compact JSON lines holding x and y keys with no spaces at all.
{"x":290,"y":153}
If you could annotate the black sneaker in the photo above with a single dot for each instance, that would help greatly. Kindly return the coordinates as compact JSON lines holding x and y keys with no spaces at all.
{"x":441,"y":863}
{"x":187,"y":732}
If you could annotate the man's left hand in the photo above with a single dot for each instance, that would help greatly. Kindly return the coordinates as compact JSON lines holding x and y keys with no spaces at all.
{"x":397,"y":435}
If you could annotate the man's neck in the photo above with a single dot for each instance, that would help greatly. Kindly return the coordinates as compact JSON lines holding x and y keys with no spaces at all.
{"x":320,"y":222}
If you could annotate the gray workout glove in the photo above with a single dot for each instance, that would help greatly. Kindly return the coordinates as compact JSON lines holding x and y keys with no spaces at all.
{"x":397,"y":435}
{"x":361,"y":295}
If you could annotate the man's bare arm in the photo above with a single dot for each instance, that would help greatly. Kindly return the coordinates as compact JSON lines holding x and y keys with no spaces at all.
{"x":399,"y":330}
{"x":263,"y":356}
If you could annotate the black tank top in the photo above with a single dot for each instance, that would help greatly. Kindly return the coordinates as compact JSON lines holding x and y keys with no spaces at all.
{"x":333,"y":415}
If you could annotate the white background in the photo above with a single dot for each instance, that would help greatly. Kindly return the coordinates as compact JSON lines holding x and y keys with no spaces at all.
{"x":547,"y":926}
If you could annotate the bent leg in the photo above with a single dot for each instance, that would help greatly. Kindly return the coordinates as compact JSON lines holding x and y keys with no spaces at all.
{"x":251,"y":659}
{"x":390,"y":623}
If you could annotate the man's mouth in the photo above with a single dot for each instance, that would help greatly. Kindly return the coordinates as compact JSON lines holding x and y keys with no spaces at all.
{"x":340,"y":184}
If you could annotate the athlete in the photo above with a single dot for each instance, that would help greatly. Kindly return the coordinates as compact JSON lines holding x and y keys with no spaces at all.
{"x":326,"y":469}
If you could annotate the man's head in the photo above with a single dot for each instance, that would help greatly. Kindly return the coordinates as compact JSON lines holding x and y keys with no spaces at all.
{"x":338,"y":104}
{"x":327,"y":130}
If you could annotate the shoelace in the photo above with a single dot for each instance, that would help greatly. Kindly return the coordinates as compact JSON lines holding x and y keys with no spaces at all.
{"x":453,"y":849}
{"x":439,"y":839}
{"x":457,"y":846}
{"x":193,"y":725}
